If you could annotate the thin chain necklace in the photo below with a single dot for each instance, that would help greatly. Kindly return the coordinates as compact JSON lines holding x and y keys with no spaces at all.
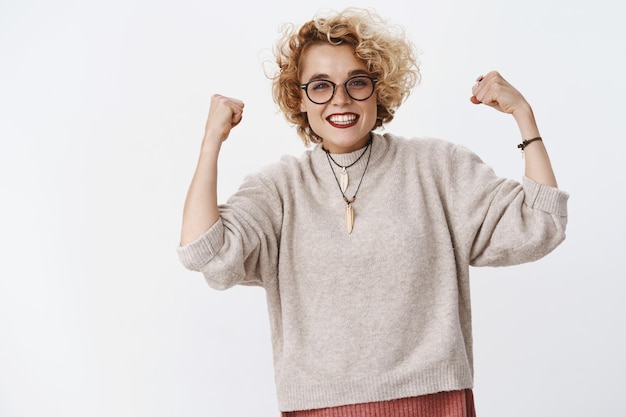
{"x":343,"y":175}
{"x":349,"y":211}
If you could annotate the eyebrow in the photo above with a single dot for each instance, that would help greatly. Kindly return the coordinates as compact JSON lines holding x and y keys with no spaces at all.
{"x":352,"y":73}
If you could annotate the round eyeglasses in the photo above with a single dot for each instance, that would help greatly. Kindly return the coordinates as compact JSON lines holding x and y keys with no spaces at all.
{"x":359,"y":88}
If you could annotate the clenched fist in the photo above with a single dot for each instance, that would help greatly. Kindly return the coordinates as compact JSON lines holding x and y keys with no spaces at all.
{"x":224,"y":114}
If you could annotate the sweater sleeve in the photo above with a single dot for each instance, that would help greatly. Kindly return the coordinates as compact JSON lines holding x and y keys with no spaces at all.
{"x":241,"y":248}
{"x":501,"y":221}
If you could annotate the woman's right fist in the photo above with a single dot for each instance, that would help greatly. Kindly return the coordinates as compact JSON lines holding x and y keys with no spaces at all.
{"x":224,"y":114}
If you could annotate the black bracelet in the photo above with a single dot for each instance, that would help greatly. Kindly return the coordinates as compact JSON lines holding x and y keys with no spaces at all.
{"x":527,"y":142}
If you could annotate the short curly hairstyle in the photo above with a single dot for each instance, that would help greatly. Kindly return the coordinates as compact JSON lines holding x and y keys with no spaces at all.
{"x":384,"y":49}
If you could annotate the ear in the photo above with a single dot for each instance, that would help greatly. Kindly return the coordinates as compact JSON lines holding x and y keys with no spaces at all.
{"x":302,"y":106}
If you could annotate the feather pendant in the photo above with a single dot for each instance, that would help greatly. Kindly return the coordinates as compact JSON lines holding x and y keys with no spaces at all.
{"x":343,"y":180}
{"x":349,"y":218}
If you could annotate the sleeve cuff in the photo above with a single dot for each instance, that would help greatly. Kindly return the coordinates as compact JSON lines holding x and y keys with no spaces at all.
{"x":198,"y":253}
{"x":545,"y":198}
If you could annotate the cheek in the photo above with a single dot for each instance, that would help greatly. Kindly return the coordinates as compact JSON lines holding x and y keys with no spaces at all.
{"x":372,"y":110}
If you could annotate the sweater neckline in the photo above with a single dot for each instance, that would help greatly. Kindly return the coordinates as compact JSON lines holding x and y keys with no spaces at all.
{"x":379,"y":149}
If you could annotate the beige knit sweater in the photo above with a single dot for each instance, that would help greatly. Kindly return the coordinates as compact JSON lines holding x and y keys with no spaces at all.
{"x":383,"y":312}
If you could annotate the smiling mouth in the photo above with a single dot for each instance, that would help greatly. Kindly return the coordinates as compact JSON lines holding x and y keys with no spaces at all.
{"x":343,"y":120}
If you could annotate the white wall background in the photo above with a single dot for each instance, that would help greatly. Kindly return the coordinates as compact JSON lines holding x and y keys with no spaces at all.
{"x":102,"y":108}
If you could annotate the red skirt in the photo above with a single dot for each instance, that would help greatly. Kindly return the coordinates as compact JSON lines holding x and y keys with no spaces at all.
{"x":441,"y":404}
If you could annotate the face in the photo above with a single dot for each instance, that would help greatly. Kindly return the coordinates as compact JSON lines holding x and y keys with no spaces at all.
{"x":344,"y":124}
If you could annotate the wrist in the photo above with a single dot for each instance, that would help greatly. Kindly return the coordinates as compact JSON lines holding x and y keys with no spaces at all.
{"x":527,"y":142}
{"x":211,"y":143}
{"x":525,"y":119}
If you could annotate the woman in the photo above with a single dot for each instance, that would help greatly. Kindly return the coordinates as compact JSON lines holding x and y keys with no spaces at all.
{"x":363,"y":244}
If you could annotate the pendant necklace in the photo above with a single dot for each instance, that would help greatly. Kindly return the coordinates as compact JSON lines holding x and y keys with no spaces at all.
{"x":342,"y":182}
{"x":343,"y":175}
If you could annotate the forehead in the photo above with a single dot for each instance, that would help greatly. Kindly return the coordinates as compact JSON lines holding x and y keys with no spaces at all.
{"x":336,"y":61}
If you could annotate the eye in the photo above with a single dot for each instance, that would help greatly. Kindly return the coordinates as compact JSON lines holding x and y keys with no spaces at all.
{"x":359,"y":82}
{"x":320,"y":85}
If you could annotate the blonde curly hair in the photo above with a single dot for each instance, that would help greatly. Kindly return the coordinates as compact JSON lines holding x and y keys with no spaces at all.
{"x":384,"y":49}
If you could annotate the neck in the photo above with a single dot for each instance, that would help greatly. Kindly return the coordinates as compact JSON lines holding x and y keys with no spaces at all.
{"x":348,"y":165}
{"x":337,"y":150}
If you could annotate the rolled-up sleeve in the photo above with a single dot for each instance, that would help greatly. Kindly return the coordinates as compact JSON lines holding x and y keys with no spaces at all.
{"x":241,"y":248}
{"x":500,"y":221}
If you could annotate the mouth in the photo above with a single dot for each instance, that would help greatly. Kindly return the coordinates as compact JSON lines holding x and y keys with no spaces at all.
{"x":343,"y":120}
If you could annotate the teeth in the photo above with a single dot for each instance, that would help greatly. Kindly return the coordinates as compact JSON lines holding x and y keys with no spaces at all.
{"x":342,"y":119}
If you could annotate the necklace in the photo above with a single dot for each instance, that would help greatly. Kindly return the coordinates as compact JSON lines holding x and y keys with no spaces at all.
{"x":343,"y":175}
{"x":349,"y":211}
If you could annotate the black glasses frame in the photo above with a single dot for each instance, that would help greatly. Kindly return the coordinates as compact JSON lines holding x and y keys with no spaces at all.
{"x":305,"y":87}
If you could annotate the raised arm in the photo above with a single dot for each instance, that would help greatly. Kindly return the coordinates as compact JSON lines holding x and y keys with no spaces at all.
{"x":200,"y":211}
{"x":494,"y":91}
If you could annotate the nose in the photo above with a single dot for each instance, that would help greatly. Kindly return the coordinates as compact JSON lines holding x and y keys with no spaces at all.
{"x":341,"y":95}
